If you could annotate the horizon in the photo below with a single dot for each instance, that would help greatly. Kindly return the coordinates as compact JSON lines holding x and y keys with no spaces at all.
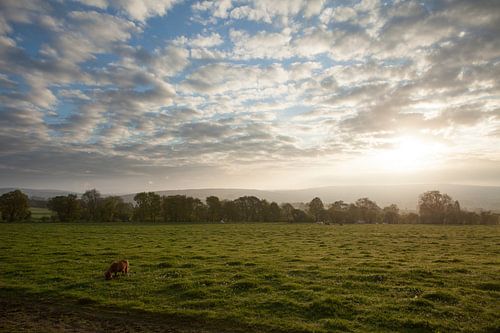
{"x":135,"y":96}
{"x":250,"y":189}
{"x":405,"y":196}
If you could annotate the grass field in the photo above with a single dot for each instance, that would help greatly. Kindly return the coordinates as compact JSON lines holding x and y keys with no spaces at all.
{"x":39,"y":213}
{"x":251,"y":277}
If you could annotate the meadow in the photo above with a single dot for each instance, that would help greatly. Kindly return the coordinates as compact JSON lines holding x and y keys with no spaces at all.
{"x":37,"y":214}
{"x":251,"y":277}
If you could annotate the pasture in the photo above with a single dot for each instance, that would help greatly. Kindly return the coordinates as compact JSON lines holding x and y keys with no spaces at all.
{"x":251,"y":277}
{"x":40,"y":213}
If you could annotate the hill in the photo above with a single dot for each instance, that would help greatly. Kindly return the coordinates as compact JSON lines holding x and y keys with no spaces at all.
{"x":37,"y":193}
{"x":405,"y":196}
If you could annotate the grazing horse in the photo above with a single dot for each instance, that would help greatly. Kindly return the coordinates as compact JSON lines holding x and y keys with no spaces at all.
{"x":117,"y":267}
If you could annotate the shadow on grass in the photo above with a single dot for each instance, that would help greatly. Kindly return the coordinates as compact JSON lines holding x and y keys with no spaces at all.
{"x":85,"y":314}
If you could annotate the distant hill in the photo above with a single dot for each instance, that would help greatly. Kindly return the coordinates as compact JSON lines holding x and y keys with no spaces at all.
{"x":37,"y":193}
{"x":405,"y":196}
{"x":221,"y":193}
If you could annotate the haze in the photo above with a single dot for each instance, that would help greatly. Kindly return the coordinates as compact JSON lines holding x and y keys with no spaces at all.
{"x":136,"y":95}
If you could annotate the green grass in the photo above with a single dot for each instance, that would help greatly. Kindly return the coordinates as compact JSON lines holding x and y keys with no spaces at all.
{"x":39,"y":213}
{"x":266,"y":277}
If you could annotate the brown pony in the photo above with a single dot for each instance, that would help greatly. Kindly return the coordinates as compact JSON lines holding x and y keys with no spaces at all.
{"x":115,"y":268}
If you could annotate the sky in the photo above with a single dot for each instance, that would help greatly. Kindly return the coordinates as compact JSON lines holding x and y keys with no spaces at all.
{"x":137,"y":95}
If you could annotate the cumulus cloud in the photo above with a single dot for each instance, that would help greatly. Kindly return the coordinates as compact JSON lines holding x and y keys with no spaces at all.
{"x":139,"y":10}
{"x":91,"y":33}
{"x":101,"y":86}
{"x":209,"y":41}
{"x":275,"y":45}
{"x":220,"y":78}
{"x":219,"y":9}
{"x":277,"y":11}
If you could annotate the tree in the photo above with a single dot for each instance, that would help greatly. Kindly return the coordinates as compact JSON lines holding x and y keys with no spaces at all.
{"x":369,"y":211}
{"x":230,"y":210}
{"x":14,"y":206}
{"x":249,"y":208}
{"x":471,"y":218}
{"x":113,"y":208}
{"x":300,"y":216}
{"x":141,"y":206}
{"x":435,"y":207}
{"x":410,"y":218}
{"x":263,"y":211}
{"x":90,"y":205}
{"x":199,"y":211}
{"x":124,"y":211}
{"x":67,"y":207}
{"x":454,"y":214}
{"x":483,"y":217}
{"x":214,"y":208}
{"x":148,"y":206}
{"x":489,"y":218}
{"x":287,"y":212}
{"x":274,"y":212}
{"x":316,"y":209}
{"x":337,"y":212}
{"x":155,"y":206}
{"x":391,"y":214}
{"x":174,"y":208}
{"x":353,"y":213}
{"x":269,"y":212}
{"x":180,"y":208}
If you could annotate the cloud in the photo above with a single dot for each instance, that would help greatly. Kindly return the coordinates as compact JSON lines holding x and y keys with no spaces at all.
{"x":313,"y":7}
{"x":100,"y":86}
{"x":314,"y":42}
{"x":90,"y":33}
{"x":203,"y":131}
{"x":221,"y":77}
{"x":261,"y":45}
{"x":23,"y":126}
{"x":219,"y":9}
{"x":202,"y":46}
{"x":281,"y":12}
{"x":337,"y":14}
{"x":23,"y":11}
{"x":139,"y":10}
{"x":209,"y":41}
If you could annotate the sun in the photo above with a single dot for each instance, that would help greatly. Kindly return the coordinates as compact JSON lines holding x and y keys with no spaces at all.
{"x":408,"y":154}
{"x":404,"y":156}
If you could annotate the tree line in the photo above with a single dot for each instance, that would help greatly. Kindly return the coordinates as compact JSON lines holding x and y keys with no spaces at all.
{"x":433,"y":208}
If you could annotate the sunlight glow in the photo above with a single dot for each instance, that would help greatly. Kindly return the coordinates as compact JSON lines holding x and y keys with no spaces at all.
{"x":409,"y":154}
